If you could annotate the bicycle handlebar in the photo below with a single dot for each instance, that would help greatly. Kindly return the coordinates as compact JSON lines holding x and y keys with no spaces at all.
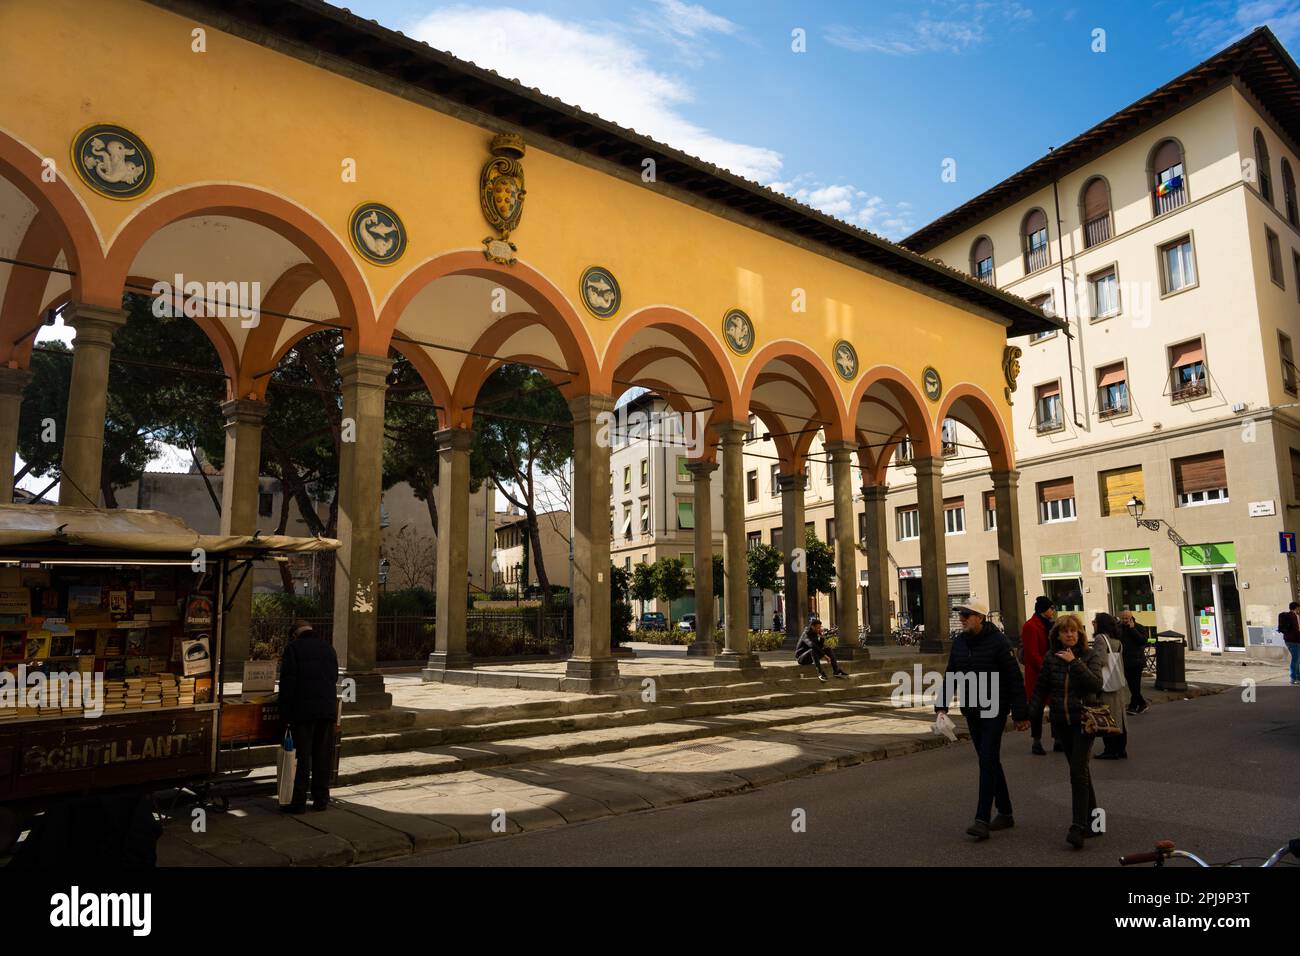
{"x":1133,"y":859}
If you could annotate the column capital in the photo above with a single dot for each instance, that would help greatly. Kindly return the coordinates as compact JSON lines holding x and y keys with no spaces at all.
{"x":584,"y":407}
{"x":700,"y":470}
{"x":730,"y":432}
{"x":244,"y":411}
{"x":13,"y":380}
{"x":454,"y":439}
{"x":1009,"y":478}
{"x":368,"y":371}
{"x":841,"y":450}
{"x":94,"y":324}
{"x":794,"y":482}
{"x":875,"y":492}
{"x":928,"y":467}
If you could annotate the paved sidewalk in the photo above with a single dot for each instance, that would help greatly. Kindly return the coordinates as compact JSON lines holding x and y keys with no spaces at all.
{"x":387,"y":819}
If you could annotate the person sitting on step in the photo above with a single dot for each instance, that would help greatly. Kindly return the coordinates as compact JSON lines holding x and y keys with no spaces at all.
{"x":812,"y":648}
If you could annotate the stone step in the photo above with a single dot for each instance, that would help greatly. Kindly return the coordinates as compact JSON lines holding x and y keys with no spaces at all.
{"x":398,"y":718}
{"x":426,"y":761}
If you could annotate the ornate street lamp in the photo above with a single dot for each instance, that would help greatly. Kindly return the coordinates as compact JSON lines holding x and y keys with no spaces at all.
{"x":1135,"y":507}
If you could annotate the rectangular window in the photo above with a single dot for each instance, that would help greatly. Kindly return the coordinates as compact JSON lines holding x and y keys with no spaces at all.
{"x":1188,"y":374}
{"x":1295,"y":262}
{"x":645,"y":472}
{"x":984,"y":270}
{"x":753,"y":539}
{"x":1112,"y":390}
{"x":645,"y":517}
{"x":685,"y":515}
{"x":627,"y":521}
{"x":1177,"y":265}
{"x":949,"y":438}
{"x":1056,"y":500}
{"x":1037,"y":254}
{"x":1047,"y":408}
{"x":903,"y":453}
{"x":1295,"y":474}
{"x":1288,"y":362}
{"x":1105,"y":293}
{"x":776,"y":480}
{"x":1170,"y":191}
{"x":753,"y":429}
{"x":683,"y":473}
{"x":777,"y":537}
{"x":627,"y":478}
{"x":1201,"y":479}
{"x":990,"y":511}
{"x":751,"y":486}
{"x":1117,"y":486}
{"x":265,"y":501}
{"x":908,"y":521}
{"x":1274,"y":256}
{"x":830,"y":530}
{"x":862,"y":526}
{"x":1045,"y":304}
{"x":954,"y":516}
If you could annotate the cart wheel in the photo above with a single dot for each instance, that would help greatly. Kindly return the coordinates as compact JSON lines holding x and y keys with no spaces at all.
{"x":10,"y":828}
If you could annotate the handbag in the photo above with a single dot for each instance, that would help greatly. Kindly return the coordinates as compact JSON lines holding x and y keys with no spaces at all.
{"x":1113,"y":676}
{"x":1098,"y":721}
{"x":286,"y":768}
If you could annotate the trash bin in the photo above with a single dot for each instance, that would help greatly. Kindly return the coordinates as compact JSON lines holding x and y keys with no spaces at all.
{"x":1171,"y":661}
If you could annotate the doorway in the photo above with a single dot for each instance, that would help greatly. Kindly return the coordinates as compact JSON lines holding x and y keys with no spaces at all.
{"x":911,"y":601}
{"x":1214,"y":611}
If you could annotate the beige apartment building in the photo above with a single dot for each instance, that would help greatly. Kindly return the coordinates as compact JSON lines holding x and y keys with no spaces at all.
{"x":652,"y":493}
{"x":554,"y":529}
{"x":1167,"y":237}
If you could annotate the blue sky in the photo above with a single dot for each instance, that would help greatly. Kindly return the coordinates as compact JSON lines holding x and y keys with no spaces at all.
{"x":860,"y":123}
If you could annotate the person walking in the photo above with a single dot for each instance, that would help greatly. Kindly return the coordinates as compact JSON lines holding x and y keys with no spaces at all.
{"x":1288,"y":622}
{"x":1071,"y":678}
{"x":309,"y":674}
{"x":1107,"y":645}
{"x":1033,"y":648}
{"x":811,"y":648}
{"x":1134,"y":639}
{"x":981,"y":660}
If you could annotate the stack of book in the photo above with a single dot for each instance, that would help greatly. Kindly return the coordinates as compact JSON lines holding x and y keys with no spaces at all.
{"x":169,"y":690}
{"x":185,"y":692}
{"x":114,"y":695}
{"x":134,"y":693}
{"x":152,"y":693}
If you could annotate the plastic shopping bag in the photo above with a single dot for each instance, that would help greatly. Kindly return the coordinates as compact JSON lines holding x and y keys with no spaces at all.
{"x":943,"y":725}
{"x":286,"y":768}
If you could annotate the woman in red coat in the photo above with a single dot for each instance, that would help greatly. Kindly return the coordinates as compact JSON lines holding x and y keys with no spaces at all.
{"x":1033,"y":648}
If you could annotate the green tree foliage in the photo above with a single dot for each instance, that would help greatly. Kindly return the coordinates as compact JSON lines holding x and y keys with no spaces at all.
{"x":719,"y":576}
{"x":410,"y":424}
{"x":522,"y":430}
{"x":764,"y":567}
{"x":644,"y":586}
{"x":620,"y":607}
{"x":820,"y":564}
{"x":671,"y":581}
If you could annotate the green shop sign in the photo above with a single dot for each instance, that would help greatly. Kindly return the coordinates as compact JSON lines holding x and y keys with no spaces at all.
{"x":1055,"y":565}
{"x":1208,"y":555}
{"x":1135,"y":559}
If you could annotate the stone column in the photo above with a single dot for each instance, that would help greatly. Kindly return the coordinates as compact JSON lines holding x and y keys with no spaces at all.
{"x":934,"y":554}
{"x":12,"y":383}
{"x":239,"y":495}
{"x":592,"y":668}
{"x":878,"y":574}
{"x":83,"y":430}
{"x":1011,"y":574}
{"x":792,"y":536}
{"x":736,"y":652}
{"x":846,"y":552}
{"x":450,"y":650}
{"x":704,"y":645}
{"x":356,"y":569}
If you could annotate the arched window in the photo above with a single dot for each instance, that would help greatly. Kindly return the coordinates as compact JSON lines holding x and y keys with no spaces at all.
{"x":1263,"y":173}
{"x":1033,"y":234}
{"x":1095,"y":212}
{"x":1288,"y":194}
{"x":981,"y":260}
{"x":1168,"y":190}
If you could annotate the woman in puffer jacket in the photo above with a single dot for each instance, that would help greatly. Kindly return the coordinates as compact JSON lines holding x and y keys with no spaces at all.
{"x":1105,"y":641}
{"x":1072,"y":678}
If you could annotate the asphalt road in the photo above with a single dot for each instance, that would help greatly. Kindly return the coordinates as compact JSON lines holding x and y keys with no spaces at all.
{"x":1218,"y":776}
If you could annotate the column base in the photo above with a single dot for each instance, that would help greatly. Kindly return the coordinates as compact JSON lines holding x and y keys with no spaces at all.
{"x":591,"y":675}
{"x":933,"y":645}
{"x":617,"y":651}
{"x":702,"y":648}
{"x":790,"y":642}
{"x":439,"y":663}
{"x":370,"y":693}
{"x":851,"y":652}
{"x":734,"y":661}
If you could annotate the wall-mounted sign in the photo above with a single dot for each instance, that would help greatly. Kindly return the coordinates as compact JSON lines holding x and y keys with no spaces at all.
{"x":1194,"y":557}
{"x":501,"y":194}
{"x":113,"y":161}
{"x":600,"y":292}
{"x":1060,"y":565}
{"x":1262,"y":509}
{"x":1286,"y":542}
{"x":1133,"y":560}
{"x":932,"y":383}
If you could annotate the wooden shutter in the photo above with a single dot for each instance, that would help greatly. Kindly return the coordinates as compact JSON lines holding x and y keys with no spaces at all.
{"x":1096,"y":200}
{"x":1186,"y":353}
{"x":1059,"y":489}
{"x":951,"y":504}
{"x":1167,"y":155}
{"x":1118,"y":486}
{"x":1048,"y":390}
{"x":1035,"y":221}
{"x":1200,"y":473}
{"x":1110,"y":375}
{"x":990,"y":501}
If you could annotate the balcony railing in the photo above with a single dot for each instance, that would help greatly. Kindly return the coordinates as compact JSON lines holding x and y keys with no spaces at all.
{"x":1036,"y":259}
{"x":1171,"y":200}
{"x":1049,"y":425}
{"x":1181,"y":393}
{"x":1096,"y":230}
{"x":1111,"y":410}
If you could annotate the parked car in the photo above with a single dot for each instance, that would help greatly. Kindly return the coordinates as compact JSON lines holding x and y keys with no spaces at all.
{"x":687,"y":623}
{"x":654,"y":621}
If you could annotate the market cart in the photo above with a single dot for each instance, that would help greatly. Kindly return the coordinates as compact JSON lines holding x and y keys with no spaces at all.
{"x":111,"y":642}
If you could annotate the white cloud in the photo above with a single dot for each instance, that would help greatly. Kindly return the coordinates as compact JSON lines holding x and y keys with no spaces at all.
{"x":946,"y":26}
{"x":855,"y":206}
{"x":599,"y":70}
{"x":1207,"y":28}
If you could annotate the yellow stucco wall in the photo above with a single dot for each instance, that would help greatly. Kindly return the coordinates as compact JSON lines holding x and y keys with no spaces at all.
{"x":242,"y":113}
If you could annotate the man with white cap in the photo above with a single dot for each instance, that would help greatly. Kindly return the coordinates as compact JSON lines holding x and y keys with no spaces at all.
{"x":981,"y":662}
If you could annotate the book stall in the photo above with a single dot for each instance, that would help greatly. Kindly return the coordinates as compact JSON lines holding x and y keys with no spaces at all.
{"x":111,"y":636}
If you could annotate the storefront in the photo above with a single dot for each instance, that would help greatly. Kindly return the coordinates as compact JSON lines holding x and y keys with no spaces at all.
{"x":958,"y":592}
{"x":911,"y":604}
{"x":1213,"y":604}
{"x":1062,"y":580}
{"x":1129,"y":585}
{"x":111,"y":637}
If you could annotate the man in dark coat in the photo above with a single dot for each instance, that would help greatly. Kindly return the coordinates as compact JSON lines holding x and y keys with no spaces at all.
{"x":812,"y":648}
{"x":1033,"y":648}
{"x":981,"y":659}
{"x":309,"y":674}
{"x":1288,"y":622}
{"x":1134,"y":641}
